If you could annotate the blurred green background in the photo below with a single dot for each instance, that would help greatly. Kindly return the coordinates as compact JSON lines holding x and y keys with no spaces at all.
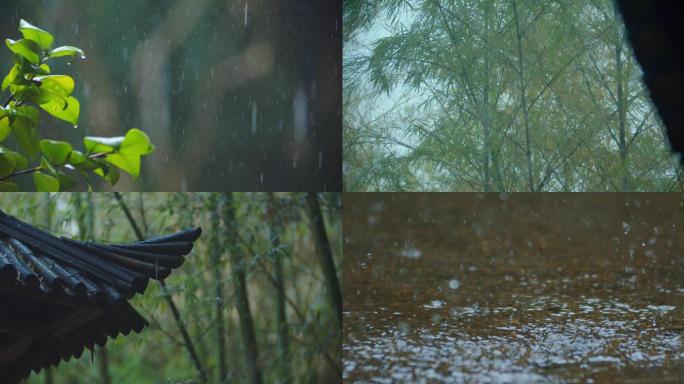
{"x":236,"y":95}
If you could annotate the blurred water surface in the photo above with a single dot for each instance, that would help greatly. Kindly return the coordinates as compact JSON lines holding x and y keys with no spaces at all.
{"x":513,"y":288}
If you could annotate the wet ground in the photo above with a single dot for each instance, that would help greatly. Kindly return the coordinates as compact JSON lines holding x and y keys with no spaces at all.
{"x":514,"y":288}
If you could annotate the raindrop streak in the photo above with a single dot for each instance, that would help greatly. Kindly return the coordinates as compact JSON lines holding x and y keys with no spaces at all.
{"x":246,"y":9}
{"x":300,"y":111}
{"x":254,"y":117}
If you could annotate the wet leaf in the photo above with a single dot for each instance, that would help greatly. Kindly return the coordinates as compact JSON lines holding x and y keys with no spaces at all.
{"x":24,"y":131}
{"x":45,"y":182}
{"x":110,"y":174}
{"x":5,"y":128}
{"x":27,"y":49}
{"x":64,"y":108}
{"x":136,"y":142}
{"x":11,"y":77}
{"x":31,"y":32}
{"x":127,"y":163}
{"x":65,"y":51}
{"x":94,"y":144}
{"x":56,"y":152}
{"x":61,"y":85}
{"x":7,"y":163}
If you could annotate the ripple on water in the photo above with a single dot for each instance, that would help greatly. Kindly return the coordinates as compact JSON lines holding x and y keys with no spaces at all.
{"x":510,"y":347}
{"x":507,"y":289}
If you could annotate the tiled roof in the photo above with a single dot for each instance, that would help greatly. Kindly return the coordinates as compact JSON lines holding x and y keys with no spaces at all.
{"x":59,"y":296}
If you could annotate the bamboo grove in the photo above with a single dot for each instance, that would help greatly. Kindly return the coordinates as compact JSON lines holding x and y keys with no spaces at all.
{"x":258,"y":300}
{"x":497,"y":95}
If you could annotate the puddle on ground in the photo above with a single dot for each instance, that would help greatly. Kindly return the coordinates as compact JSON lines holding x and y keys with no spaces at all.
{"x":501,"y":288}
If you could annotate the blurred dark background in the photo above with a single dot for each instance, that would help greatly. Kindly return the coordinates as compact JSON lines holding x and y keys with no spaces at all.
{"x":236,"y":95}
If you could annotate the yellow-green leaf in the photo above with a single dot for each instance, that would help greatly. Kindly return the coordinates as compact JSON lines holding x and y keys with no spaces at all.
{"x":5,"y":128}
{"x":61,"y":85}
{"x":11,"y":76}
{"x":27,"y":49}
{"x":127,"y":163}
{"x":136,"y":142}
{"x":94,"y":144}
{"x":67,"y":51}
{"x":64,"y":108}
{"x":31,"y":32}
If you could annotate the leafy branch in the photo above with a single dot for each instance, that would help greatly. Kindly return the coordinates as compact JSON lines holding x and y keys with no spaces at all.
{"x":32,"y":85}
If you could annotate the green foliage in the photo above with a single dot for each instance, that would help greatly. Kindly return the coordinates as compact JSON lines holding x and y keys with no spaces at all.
{"x":497,"y":95}
{"x":31,"y":84}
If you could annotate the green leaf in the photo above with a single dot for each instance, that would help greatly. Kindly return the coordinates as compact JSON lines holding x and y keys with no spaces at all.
{"x":24,"y":92}
{"x":31,"y":32}
{"x":111,"y":174}
{"x":77,"y":158}
{"x":44,"y":69}
{"x":81,"y":162}
{"x":7,"y":163}
{"x":64,"y":108}
{"x":61,"y":85}
{"x":27,"y":49}
{"x":127,"y":163}
{"x":20,"y":162}
{"x":45,"y":182}
{"x":65,"y":182}
{"x":95,"y":144}
{"x":67,"y":51}
{"x":56,"y":152}
{"x":27,"y":111}
{"x":7,"y":186}
{"x":24,"y":131}
{"x":5,"y":128}
{"x":11,"y":76}
{"x":136,"y":142}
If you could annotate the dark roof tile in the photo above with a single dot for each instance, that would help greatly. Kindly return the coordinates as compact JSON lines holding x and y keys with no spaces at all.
{"x":82,"y":288}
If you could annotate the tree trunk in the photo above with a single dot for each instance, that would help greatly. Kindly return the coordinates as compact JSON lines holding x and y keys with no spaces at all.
{"x":523,"y":100}
{"x":325,"y":255}
{"x":215,"y":249}
{"x":240,"y":286}
{"x":279,"y":278}
{"x":487,"y":150}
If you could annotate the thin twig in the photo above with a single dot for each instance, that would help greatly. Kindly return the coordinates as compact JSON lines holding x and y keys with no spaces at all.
{"x":40,"y":167}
